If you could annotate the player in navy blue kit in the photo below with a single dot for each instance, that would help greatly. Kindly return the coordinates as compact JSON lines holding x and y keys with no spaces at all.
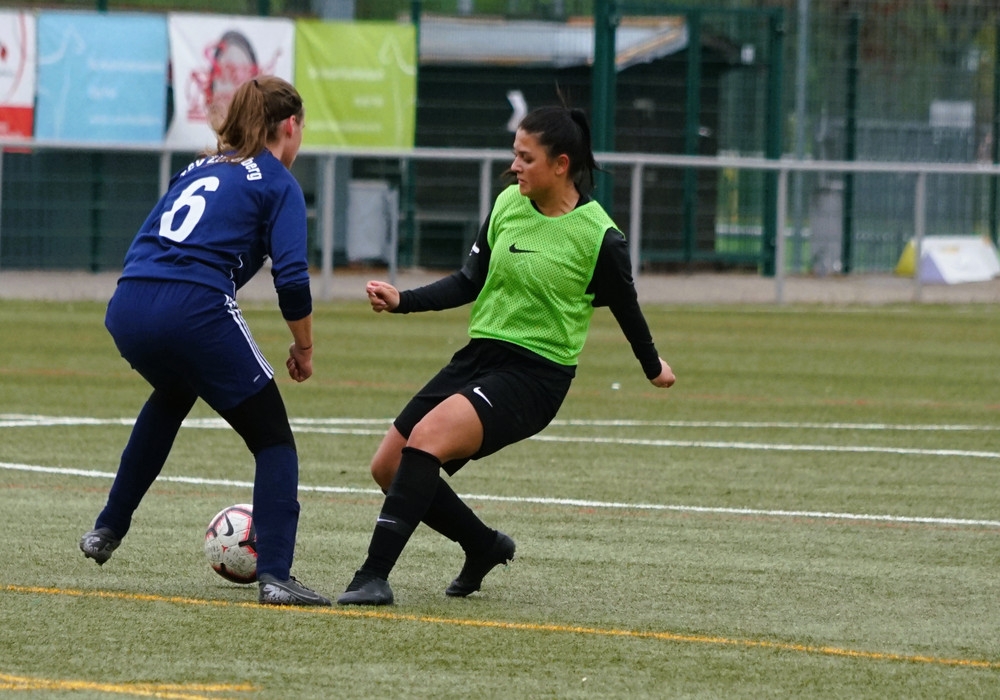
{"x":174,"y":317}
{"x":547,"y":255}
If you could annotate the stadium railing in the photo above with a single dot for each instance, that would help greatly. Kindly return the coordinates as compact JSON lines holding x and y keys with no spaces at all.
{"x":636,"y":163}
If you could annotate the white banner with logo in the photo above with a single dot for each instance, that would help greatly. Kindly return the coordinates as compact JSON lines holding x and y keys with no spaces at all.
{"x":212,"y":55}
{"x":18,"y":55}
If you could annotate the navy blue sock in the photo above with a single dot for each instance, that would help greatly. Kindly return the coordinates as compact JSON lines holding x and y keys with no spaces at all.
{"x":276,"y":509}
{"x":143,"y":457}
{"x":406,"y":502}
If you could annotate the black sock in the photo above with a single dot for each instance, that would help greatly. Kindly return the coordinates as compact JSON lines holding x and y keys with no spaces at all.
{"x":452,"y":517}
{"x":406,"y":502}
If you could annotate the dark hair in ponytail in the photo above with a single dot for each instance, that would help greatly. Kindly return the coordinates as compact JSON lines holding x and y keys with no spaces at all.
{"x":256,"y":111}
{"x":565,"y":130}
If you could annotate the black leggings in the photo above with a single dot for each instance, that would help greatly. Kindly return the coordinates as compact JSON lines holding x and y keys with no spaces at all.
{"x":261,"y":420}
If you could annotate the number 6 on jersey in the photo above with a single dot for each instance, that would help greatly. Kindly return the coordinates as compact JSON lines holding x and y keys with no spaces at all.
{"x":196,"y":207}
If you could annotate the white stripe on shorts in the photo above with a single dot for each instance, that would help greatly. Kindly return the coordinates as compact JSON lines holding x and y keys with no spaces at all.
{"x":234,"y":311}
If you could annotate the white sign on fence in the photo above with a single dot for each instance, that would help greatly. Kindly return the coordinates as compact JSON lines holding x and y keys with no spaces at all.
{"x":951,"y":260}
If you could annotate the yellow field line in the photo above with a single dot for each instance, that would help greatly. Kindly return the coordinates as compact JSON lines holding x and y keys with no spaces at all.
{"x":534,"y":627}
{"x":149,"y":690}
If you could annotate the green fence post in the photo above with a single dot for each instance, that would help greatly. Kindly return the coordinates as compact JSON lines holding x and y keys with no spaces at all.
{"x":604,"y":94}
{"x":408,"y":175}
{"x":97,"y":162}
{"x":97,"y":205}
{"x":850,"y":141}
{"x":772,"y":146}
{"x":692,"y":119}
{"x":995,"y":131}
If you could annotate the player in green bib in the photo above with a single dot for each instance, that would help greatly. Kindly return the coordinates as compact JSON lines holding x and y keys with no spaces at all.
{"x":545,"y":258}
{"x":539,"y":300}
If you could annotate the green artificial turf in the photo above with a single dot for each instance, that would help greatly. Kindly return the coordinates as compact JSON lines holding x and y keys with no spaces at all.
{"x":811,"y":511}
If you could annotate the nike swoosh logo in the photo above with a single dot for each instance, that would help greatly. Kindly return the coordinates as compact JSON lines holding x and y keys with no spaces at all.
{"x":231,"y":528}
{"x":385,"y":520}
{"x":479,"y":392}
{"x":514,"y":249}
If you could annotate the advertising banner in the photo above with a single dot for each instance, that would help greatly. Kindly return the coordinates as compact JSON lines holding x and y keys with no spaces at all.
{"x":17,"y":73}
{"x":358,"y":81}
{"x":101,"y":77}
{"x":211,"y":56}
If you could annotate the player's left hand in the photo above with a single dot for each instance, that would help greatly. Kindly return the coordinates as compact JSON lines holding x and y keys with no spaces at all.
{"x":299,"y":363}
{"x":665,"y":379}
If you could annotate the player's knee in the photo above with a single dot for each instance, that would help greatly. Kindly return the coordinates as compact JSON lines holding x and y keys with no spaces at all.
{"x":424,"y":436}
{"x":272,"y":436}
{"x":446,"y":441}
{"x":383,"y":472}
{"x":177,"y":402}
{"x":261,"y":420}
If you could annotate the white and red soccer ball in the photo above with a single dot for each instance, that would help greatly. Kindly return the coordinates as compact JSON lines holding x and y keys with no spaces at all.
{"x":231,"y":544}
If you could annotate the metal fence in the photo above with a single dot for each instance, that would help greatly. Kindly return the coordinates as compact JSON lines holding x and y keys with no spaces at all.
{"x":83,"y":223}
{"x":865,"y":81}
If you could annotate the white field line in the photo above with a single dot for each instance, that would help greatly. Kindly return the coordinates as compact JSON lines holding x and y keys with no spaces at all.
{"x":776,"y":424}
{"x":324,"y":425}
{"x":26,"y":420}
{"x":537,"y":500}
{"x":773,"y":447}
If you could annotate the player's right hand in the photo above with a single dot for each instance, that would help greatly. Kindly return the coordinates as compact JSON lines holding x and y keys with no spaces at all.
{"x":382,"y":296}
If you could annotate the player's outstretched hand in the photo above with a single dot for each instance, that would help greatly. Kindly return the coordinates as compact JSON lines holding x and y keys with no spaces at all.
{"x":665,"y":379}
{"x":382,"y":296}
{"x":299,"y":363}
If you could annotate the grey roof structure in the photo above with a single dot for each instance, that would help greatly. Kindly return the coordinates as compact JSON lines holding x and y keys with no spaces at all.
{"x":526,"y":43}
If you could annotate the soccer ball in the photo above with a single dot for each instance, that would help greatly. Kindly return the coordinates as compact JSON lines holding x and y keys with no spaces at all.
{"x":231,"y":544}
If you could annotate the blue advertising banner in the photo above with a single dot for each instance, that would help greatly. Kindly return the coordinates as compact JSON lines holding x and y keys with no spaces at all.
{"x":101,"y":77}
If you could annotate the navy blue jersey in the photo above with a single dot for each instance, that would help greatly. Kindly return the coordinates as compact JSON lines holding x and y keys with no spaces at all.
{"x":218,"y":223}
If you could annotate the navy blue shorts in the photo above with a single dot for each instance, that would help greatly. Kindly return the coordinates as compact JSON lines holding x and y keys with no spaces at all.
{"x":515,"y":395}
{"x":177,"y":333}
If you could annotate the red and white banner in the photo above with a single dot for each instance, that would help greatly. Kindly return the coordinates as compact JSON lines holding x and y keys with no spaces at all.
{"x":212,"y":55}
{"x":18,"y":57}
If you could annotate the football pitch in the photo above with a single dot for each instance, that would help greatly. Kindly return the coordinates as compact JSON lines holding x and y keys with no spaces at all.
{"x":812,"y":511}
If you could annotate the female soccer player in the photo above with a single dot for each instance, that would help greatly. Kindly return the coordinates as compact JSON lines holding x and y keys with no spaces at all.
{"x":174,"y":317}
{"x":547,"y":255}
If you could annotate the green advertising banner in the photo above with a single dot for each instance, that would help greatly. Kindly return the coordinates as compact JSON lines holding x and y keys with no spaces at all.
{"x":358,"y":81}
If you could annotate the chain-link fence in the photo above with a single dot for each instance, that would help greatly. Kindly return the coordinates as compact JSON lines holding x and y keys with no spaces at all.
{"x":865,"y":80}
{"x":892,"y":80}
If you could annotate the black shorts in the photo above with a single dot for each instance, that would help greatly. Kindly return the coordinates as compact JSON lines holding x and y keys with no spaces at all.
{"x":514,"y":394}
